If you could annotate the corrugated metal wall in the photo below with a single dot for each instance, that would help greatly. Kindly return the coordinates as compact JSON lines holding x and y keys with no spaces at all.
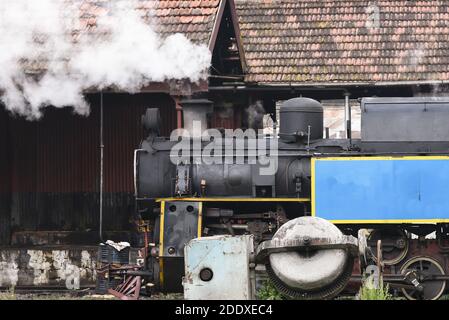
{"x":226,"y":117}
{"x":5,"y":179}
{"x":54,"y":163}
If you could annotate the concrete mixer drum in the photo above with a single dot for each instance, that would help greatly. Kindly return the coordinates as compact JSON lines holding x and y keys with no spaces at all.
{"x":309,"y":258}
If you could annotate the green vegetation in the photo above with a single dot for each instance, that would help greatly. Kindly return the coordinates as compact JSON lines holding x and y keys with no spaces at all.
{"x":8,"y":295}
{"x":268,"y":292}
{"x":369,"y":292}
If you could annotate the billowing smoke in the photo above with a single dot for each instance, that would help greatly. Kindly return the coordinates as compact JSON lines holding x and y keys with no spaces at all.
{"x":48,"y":56}
{"x":255,"y":114}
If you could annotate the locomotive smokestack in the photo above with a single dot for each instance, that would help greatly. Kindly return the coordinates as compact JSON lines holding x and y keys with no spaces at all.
{"x":196,"y":110}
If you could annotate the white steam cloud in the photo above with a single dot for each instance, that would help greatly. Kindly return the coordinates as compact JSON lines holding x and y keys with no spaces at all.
{"x":121,"y":51}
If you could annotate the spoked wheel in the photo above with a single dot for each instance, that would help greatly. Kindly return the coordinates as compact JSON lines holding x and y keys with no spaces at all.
{"x":424,"y":267}
{"x":394,"y":244}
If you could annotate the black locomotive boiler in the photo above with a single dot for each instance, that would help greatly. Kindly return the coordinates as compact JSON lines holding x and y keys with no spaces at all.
{"x":392,"y":181}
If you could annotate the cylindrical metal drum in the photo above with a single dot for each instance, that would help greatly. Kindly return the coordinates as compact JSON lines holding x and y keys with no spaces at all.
{"x":296,"y":115}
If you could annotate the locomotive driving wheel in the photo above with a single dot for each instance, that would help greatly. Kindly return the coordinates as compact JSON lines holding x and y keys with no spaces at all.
{"x":425,"y":268}
{"x":394,"y":244}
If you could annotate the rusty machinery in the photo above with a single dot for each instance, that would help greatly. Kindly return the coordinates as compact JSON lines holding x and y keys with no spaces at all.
{"x":402,"y":152}
{"x":307,"y":258}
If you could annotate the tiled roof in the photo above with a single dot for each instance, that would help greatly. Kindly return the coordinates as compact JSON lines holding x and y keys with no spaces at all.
{"x":342,"y":41}
{"x":195,"y":18}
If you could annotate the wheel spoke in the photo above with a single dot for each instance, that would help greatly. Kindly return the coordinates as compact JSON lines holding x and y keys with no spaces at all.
{"x":425,"y":267}
{"x":391,"y":252}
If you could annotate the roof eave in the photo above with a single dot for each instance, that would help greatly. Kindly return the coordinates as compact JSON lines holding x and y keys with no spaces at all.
{"x":238,"y":36}
{"x":348,"y":84}
{"x":216,"y":27}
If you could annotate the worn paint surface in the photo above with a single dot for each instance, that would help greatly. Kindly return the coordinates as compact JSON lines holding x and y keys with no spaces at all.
{"x":49,"y":169}
{"x":313,"y":270}
{"x":228,"y":259}
{"x":71,"y":268}
{"x":381,"y":189}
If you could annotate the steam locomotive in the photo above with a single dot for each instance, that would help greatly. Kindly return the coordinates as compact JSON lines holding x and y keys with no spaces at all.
{"x":393,"y":182}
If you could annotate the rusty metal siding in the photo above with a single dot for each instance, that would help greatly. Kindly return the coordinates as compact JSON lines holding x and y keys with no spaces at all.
{"x":55,"y":163}
{"x":5,"y":172}
{"x":5,"y":179}
{"x":66,"y":152}
{"x":123,"y":133}
{"x":224,"y":117}
{"x":60,"y":153}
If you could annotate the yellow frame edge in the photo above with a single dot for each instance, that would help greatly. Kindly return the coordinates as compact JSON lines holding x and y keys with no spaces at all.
{"x":161,"y":244}
{"x":312,"y":187}
{"x":236,"y":199}
{"x":418,"y":221}
{"x":381,"y":158}
{"x":200,"y":218}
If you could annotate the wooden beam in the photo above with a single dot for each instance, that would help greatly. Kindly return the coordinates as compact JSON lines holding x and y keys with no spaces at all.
{"x":238,"y":37}
{"x":216,"y":27}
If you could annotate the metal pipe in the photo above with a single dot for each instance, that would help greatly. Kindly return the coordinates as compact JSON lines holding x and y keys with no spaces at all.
{"x":135,"y":170}
{"x":101,"y":166}
{"x":226,"y":77}
{"x":178,"y":113}
{"x":225,"y":226}
{"x":326,"y":85}
{"x":274,"y":88}
{"x":347,"y":116}
{"x":308,"y":138}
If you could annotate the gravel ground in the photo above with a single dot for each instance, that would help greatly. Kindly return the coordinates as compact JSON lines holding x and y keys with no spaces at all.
{"x":83,"y":295}
{"x":90,"y":295}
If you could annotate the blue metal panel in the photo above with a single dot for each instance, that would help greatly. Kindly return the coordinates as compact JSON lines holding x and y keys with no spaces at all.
{"x":371,"y":189}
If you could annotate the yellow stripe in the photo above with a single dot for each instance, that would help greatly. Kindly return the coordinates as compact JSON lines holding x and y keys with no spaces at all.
{"x":389,"y":221}
{"x":236,"y":199}
{"x":161,"y":245}
{"x":312,"y":169}
{"x":200,"y":218}
{"x":383,"y":158}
